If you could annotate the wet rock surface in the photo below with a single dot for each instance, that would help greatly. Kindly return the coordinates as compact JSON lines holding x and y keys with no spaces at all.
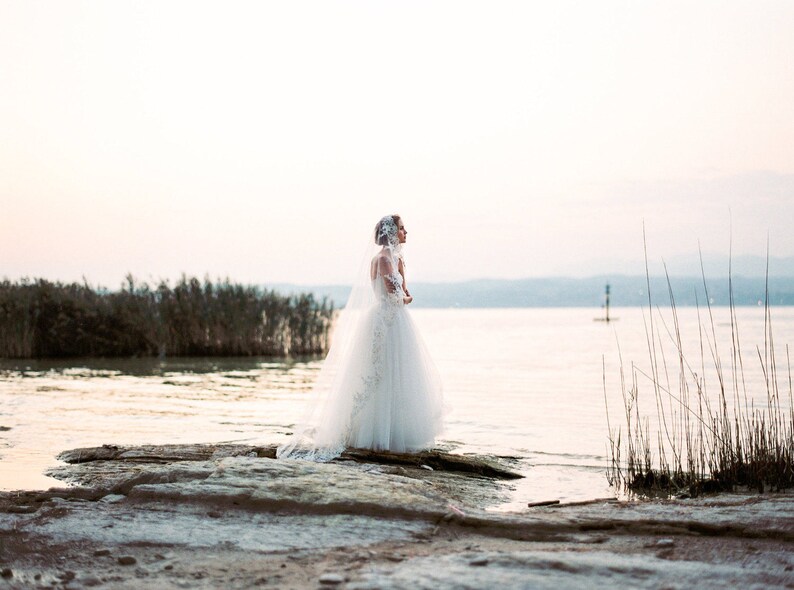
{"x":207,"y":517}
{"x":427,"y":460}
{"x":554,"y":570}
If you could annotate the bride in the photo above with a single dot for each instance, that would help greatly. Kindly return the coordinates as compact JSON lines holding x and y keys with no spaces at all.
{"x":378,"y":388}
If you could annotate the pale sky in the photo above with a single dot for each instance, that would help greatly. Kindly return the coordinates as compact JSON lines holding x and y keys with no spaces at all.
{"x":262,"y":141}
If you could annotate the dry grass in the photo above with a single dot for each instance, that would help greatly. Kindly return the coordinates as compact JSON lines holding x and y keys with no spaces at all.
{"x":702,"y":441}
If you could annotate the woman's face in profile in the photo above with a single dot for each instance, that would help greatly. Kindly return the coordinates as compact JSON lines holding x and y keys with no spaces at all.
{"x":402,"y":233}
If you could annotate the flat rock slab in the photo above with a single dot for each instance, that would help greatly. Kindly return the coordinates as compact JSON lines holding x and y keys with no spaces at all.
{"x":240,"y":521}
{"x":223,"y":509}
{"x":546,"y":570}
{"x":437,"y":460}
{"x":271,"y":484}
{"x":732,"y":515}
{"x":303,"y":486}
{"x":100,"y":478}
{"x":181,"y":544}
{"x":257,"y":479}
{"x":164,"y":453}
{"x":169,"y":524}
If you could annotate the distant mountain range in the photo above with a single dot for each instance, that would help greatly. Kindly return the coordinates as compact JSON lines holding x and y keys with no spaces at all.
{"x":625,"y":291}
{"x":681,"y":265}
{"x":684,"y":265}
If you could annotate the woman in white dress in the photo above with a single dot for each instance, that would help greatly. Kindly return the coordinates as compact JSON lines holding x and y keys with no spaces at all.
{"x":378,"y":388}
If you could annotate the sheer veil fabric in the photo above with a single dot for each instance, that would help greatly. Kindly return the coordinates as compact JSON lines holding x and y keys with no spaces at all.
{"x":378,"y":387}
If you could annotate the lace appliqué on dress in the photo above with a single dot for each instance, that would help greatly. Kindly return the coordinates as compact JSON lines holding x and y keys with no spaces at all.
{"x":395,"y":297}
{"x":390,"y":304}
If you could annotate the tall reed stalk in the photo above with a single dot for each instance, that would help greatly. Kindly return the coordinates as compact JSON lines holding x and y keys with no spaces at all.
{"x":41,"y":319}
{"x":703,"y":441}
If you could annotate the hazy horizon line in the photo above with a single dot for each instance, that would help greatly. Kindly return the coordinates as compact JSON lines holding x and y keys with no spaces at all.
{"x":547,"y":277}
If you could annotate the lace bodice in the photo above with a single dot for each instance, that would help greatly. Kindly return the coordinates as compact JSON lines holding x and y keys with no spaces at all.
{"x":387,"y":282}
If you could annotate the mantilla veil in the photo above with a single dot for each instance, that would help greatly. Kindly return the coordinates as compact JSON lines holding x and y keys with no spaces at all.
{"x":378,"y":387}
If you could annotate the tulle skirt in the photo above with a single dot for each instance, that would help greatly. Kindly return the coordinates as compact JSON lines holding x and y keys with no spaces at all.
{"x":387,"y":395}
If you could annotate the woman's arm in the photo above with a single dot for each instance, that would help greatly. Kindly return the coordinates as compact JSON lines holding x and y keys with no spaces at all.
{"x":408,"y":297}
{"x":391,"y":280}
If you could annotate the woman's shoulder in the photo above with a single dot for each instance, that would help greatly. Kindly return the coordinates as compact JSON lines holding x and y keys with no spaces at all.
{"x":385,"y":262}
{"x":383,"y":256}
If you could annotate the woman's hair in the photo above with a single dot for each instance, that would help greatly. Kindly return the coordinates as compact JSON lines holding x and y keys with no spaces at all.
{"x":381,"y":236}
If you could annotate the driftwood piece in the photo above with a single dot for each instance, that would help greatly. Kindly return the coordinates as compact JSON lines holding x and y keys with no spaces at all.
{"x":543,"y":503}
{"x":438,"y":460}
{"x":164,"y":453}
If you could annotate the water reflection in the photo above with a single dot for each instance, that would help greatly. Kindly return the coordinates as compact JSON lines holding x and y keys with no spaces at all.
{"x":149,"y":367}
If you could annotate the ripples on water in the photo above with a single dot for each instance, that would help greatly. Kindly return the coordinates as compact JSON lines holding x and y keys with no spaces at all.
{"x":525,"y":383}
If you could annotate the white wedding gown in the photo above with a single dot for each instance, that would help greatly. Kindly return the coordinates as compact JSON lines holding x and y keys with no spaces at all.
{"x":385,"y":393}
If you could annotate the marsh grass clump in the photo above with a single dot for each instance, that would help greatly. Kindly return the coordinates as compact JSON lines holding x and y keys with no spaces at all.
{"x":41,"y":319}
{"x":702,"y":440}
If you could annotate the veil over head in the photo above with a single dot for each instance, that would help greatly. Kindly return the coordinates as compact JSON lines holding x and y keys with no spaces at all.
{"x":386,"y":232}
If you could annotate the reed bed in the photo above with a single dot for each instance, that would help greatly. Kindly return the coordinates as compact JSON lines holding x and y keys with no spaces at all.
{"x":42,"y":319}
{"x":710,"y":433}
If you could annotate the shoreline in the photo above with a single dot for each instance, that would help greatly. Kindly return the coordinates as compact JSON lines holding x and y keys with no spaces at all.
{"x":232,"y":517}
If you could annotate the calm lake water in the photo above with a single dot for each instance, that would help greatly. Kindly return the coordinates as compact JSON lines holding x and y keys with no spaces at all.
{"x":527,"y":383}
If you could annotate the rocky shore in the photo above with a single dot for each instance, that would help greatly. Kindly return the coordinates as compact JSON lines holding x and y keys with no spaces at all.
{"x":203,"y":516}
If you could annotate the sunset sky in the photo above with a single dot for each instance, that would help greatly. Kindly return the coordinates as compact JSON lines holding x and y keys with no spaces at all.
{"x":263,"y":140}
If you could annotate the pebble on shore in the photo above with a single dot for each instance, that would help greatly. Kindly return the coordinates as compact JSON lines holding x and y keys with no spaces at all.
{"x":331,"y":579}
{"x":127,"y":560}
